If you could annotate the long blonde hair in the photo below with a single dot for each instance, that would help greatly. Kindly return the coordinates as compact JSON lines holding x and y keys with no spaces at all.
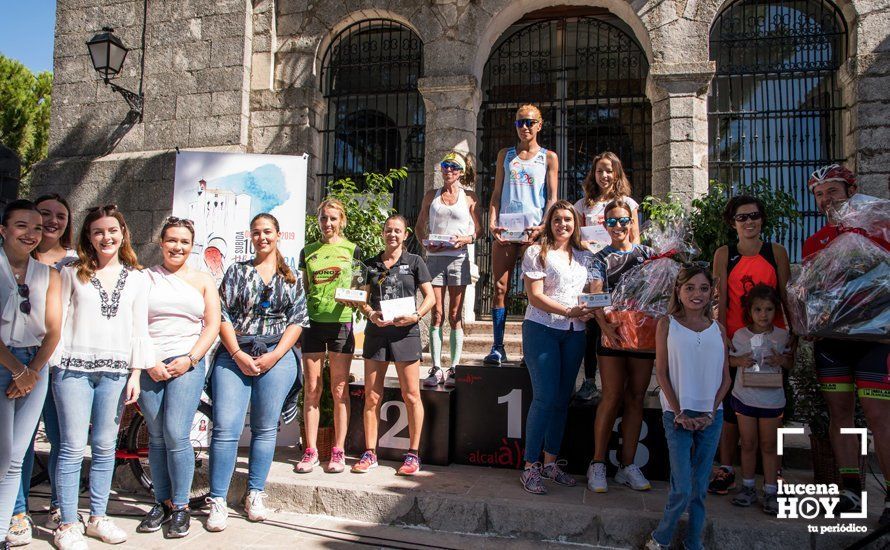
{"x":88,"y":258}
{"x":337,"y":205}
{"x":620,"y":184}
{"x":281,"y":268}
{"x":547,"y":239}
{"x":687,"y":272}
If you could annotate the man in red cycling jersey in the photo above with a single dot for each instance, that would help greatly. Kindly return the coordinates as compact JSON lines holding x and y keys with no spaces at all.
{"x":843,"y":366}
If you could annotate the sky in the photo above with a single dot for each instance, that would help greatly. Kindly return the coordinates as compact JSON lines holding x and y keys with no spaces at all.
{"x":26,"y":32}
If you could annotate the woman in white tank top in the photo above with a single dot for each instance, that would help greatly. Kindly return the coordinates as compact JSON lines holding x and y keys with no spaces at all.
{"x":451,"y":213}
{"x":692,"y":367}
{"x":183,"y":322}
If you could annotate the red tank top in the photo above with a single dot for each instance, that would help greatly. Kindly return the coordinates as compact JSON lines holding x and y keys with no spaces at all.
{"x":743,"y":272}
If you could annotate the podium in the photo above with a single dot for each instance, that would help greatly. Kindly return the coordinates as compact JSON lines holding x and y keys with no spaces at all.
{"x":392,"y":431}
{"x":491,"y":406}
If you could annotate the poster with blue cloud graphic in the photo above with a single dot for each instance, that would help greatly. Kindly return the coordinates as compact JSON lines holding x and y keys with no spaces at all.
{"x":222,"y":192}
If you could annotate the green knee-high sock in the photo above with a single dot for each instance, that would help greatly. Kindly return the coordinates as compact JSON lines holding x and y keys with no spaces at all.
{"x":457,"y":345}
{"x":436,"y":346}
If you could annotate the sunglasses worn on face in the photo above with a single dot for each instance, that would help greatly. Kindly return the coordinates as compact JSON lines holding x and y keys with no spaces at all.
{"x":526,"y":122}
{"x":753,"y":216}
{"x":450,"y":167}
{"x":612,"y":222}
{"x":25,"y":306}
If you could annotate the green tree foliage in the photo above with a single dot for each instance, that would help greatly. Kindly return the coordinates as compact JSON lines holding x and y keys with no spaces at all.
{"x":705,"y":218}
{"x":24,"y":111}
{"x":367,"y":207}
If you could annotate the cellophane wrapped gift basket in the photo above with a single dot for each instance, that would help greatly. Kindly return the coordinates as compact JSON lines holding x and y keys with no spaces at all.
{"x":641,"y":295}
{"x":843,"y":291}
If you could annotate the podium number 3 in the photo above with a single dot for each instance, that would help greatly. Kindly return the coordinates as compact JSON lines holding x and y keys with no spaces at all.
{"x":514,"y":412}
{"x":390,"y":440}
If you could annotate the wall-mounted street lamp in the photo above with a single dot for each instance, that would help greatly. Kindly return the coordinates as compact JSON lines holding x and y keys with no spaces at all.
{"x":108,"y":53}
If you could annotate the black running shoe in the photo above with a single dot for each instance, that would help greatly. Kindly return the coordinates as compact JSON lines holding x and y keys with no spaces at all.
{"x":157,"y":516}
{"x":180,"y":520}
{"x":723,"y":482}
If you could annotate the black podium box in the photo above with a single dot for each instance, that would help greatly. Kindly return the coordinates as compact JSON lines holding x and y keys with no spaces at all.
{"x":491,"y":405}
{"x":392,"y":431}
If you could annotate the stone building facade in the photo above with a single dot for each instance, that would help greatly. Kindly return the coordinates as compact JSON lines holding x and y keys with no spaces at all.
{"x":258,"y":76}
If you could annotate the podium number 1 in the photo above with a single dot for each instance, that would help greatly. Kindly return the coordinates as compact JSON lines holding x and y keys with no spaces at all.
{"x":514,"y":412}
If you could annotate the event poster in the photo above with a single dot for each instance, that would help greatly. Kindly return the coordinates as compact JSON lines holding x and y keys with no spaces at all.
{"x":222,"y":192}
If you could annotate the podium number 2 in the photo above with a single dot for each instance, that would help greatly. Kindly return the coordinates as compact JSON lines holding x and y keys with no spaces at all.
{"x":390,"y":439}
{"x":514,"y":412}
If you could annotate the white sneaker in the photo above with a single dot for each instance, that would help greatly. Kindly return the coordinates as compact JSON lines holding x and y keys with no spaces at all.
{"x":70,"y":539}
{"x":255,"y":505}
{"x":653,"y":544}
{"x":105,"y":530}
{"x":219,"y":514}
{"x":53,"y":519}
{"x":633,"y":478}
{"x":434,"y":378}
{"x":596,"y":478}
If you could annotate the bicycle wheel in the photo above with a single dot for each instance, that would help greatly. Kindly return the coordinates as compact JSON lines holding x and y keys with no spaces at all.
{"x":137,"y":443}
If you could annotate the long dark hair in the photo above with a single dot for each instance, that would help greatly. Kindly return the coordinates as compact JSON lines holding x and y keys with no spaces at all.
{"x":620,"y":186}
{"x":281,"y":268}
{"x":547,"y":239}
{"x":65,"y":239}
{"x":687,"y":272}
{"x":759,"y":291}
{"x":88,"y":261}
{"x":15,"y":206}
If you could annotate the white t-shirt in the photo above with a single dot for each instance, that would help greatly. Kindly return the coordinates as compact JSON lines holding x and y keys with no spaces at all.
{"x":563,"y":282}
{"x":764,"y":345}
{"x":594,"y":216}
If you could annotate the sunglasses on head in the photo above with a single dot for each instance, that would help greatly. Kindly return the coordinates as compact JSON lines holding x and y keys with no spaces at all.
{"x":700,"y":264}
{"x":526,"y":122}
{"x":624,"y":221}
{"x":106,"y":207}
{"x":451,"y":167}
{"x":25,"y":292}
{"x":174,"y":219}
{"x":749,"y":216}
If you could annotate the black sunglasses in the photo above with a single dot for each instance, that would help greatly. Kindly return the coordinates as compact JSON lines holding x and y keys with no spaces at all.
{"x":265,"y":297}
{"x":451,"y":166}
{"x":527,"y":122}
{"x":174,"y":219}
{"x":753,"y":216}
{"x":25,"y":306}
{"x":612,"y":222}
{"x":105,"y":208}
{"x":700,"y":264}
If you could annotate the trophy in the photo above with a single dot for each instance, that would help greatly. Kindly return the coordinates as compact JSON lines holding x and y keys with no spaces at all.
{"x":393,"y":302}
{"x":358,"y":285}
{"x":761,"y":375}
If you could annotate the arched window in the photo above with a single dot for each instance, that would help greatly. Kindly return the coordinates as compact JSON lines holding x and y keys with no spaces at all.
{"x":375,"y":116}
{"x":775,"y":108}
{"x":588,"y":76}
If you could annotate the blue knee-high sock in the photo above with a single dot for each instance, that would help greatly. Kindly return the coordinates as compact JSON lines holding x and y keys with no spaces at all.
{"x":498,"y":324}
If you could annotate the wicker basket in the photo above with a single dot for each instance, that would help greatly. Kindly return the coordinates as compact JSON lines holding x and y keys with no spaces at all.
{"x":323,"y":441}
{"x":825,"y":468}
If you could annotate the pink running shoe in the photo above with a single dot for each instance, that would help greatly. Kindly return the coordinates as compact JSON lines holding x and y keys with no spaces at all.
{"x":410,"y":466}
{"x":366,"y":463}
{"x":338,"y":461}
{"x":308,"y":462}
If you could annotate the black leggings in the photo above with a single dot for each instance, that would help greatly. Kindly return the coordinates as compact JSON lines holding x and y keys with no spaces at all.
{"x":593,"y":335}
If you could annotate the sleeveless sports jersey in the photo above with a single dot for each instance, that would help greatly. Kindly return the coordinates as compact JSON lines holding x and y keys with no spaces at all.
{"x":524,"y":189}
{"x":328,"y":267}
{"x":742,"y":273}
{"x":451,"y":219}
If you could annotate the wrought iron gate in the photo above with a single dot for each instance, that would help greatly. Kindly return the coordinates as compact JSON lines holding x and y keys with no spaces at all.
{"x":375,"y":115}
{"x":775,"y":107}
{"x":588,"y":77}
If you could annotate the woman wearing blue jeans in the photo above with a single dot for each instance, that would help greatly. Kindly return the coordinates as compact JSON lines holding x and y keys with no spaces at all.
{"x":105,"y":346}
{"x":556,"y":271}
{"x":264,"y":312}
{"x":183,"y":321}
{"x":30,"y":321}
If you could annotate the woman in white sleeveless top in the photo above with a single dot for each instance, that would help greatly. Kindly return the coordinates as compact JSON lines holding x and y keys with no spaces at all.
{"x":692,"y":367}
{"x":451,"y":211}
{"x":183,"y":321}
{"x":30,"y":325}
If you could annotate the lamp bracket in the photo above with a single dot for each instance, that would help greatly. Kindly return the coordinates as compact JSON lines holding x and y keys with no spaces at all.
{"x":133,"y":99}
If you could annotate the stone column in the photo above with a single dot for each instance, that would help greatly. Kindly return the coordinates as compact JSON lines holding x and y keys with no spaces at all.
{"x":452,"y":106}
{"x":678,"y":92}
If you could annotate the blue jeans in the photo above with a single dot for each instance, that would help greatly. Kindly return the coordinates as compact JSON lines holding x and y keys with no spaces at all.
{"x":553,"y":358}
{"x":18,"y":419}
{"x":51,"y":427}
{"x":90,"y":406}
{"x":691,"y":454}
{"x":169,"y":409}
{"x":232,"y":393}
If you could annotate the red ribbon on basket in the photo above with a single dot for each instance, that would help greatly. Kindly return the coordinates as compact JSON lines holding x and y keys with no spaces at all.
{"x":669,"y":254}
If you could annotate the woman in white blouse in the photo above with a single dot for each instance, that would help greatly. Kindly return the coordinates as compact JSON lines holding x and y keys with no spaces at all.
{"x":556,"y":271}
{"x":30,"y":321}
{"x":105,"y":345}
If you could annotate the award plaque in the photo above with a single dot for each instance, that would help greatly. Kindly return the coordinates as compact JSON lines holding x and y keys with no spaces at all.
{"x":357,"y":291}
{"x":514,"y":225}
{"x":602,"y":299}
{"x":393,"y":302}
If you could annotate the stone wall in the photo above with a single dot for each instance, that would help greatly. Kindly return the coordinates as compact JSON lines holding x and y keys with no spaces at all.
{"x":244,"y":76}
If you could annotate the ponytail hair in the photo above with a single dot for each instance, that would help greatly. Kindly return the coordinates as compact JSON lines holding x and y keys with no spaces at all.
{"x":281,"y":268}
{"x":468,"y":180}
